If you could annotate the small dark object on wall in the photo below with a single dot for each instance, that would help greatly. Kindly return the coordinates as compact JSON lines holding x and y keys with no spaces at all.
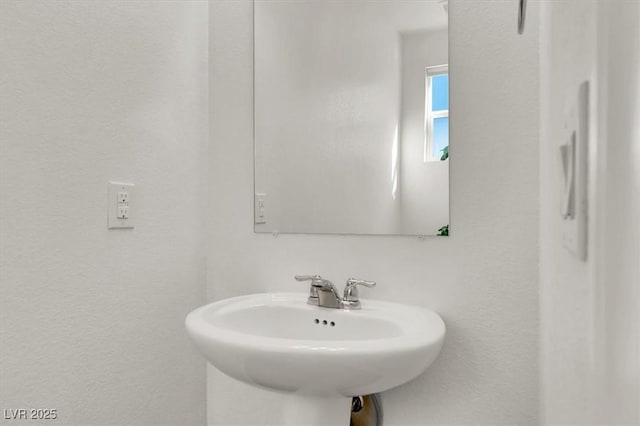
{"x":366,"y":411}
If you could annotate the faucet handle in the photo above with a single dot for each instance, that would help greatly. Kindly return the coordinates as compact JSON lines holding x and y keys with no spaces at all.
{"x":351,"y":298}
{"x":316,"y":281}
{"x":353,"y":282}
{"x":315,"y":277}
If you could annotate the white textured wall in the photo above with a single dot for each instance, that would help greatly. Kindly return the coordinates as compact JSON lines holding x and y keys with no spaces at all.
{"x":568,"y":55}
{"x":91,"y":319}
{"x":482,"y":279}
{"x":590,"y":328}
{"x":618,"y":308}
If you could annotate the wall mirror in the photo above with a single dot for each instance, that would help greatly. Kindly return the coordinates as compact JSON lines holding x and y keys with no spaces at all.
{"x":351,"y":117}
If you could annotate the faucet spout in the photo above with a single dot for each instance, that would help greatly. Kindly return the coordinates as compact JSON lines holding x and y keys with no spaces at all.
{"x":328,"y":297}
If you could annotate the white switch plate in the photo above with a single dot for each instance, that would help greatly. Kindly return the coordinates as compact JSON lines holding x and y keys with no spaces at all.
{"x":260,"y":214}
{"x":120,"y":208}
{"x":575,"y":225}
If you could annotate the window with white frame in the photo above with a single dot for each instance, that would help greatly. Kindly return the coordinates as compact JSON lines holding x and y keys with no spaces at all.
{"x":436,"y":120}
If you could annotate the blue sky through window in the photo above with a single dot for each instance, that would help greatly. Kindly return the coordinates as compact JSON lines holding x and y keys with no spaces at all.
{"x":436,"y":112}
{"x":440,"y":136}
{"x":440,"y":92}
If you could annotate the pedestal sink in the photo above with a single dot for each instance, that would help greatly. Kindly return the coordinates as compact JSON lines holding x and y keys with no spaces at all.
{"x":320,"y":357}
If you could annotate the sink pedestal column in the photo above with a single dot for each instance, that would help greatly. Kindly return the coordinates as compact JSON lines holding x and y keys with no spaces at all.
{"x":316,"y":411}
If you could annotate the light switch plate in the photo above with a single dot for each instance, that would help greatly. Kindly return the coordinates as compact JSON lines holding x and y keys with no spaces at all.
{"x":120,"y":210}
{"x":575,"y":224}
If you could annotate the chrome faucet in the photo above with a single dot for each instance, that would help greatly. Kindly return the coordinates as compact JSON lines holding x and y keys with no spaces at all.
{"x":324,"y":294}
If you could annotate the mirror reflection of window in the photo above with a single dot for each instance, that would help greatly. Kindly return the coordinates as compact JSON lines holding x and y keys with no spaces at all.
{"x":436,"y":113}
{"x":339,"y":117}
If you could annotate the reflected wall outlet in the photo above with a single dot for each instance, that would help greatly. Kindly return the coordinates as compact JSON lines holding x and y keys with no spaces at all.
{"x":260,"y":217}
{"x":119,"y":206}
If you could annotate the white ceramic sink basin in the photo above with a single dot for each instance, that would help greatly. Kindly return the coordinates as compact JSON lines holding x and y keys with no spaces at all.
{"x":279,"y":342}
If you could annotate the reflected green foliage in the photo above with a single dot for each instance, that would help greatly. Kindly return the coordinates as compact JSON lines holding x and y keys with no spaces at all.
{"x":444,"y":231}
{"x":445,"y":153}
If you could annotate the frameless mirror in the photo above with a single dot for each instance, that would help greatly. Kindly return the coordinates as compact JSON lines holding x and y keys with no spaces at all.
{"x":351,"y":117}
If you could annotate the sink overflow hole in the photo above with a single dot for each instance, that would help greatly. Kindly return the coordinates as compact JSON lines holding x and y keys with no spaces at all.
{"x":325,"y":322}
